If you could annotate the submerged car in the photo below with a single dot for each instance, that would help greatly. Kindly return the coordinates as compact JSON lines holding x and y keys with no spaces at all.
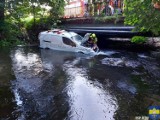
{"x":65,"y":41}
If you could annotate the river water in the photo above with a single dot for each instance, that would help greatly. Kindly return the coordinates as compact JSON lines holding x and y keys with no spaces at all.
{"x":40,"y":84}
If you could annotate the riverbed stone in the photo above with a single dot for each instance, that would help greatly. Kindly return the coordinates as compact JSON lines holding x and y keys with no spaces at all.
{"x":154,"y":41}
{"x":156,"y":53}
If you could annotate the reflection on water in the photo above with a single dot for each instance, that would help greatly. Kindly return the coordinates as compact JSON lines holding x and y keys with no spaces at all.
{"x":120,"y":62}
{"x":56,"y":85}
{"x":126,"y":87}
{"x":6,"y":96}
{"x":86,"y":100}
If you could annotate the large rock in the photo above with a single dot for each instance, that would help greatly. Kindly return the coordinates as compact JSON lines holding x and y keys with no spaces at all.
{"x":154,"y":41}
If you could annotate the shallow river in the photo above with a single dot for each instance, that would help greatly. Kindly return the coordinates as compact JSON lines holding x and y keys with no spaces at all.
{"x":38,"y":84}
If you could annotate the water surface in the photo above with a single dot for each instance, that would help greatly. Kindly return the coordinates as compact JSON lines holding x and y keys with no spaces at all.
{"x":38,"y":84}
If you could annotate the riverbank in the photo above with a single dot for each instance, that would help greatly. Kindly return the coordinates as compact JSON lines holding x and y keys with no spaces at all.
{"x":153,"y":42}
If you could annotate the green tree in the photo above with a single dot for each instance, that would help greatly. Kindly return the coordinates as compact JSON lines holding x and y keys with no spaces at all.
{"x":142,"y":15}
{"x":2,"y":3}
{"x":31,"y":16}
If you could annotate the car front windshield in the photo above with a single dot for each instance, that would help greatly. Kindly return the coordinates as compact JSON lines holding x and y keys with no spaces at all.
{"x":77,"y":38}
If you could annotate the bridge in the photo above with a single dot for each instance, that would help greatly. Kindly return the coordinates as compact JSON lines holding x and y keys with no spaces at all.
{"x":113,"y":36}
{"x":119,"y":32}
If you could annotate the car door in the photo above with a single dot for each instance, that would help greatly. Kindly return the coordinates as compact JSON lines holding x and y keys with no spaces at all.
{"x":45,"y":42}
{"x":56,"y":42}
{"x":86,"y":37}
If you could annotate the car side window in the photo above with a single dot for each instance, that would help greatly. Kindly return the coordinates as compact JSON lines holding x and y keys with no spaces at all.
{"x":67,"y":41}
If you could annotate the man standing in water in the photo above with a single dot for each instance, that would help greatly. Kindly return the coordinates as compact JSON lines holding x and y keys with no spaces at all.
{"x":93,"y":41}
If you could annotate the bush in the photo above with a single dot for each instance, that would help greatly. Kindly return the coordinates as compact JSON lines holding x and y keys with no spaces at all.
{"x":4,"y":43}
{"x":9,"y":33}
{"x":102,"y":14}
{"x":138,"y":39}
{"x":7,"y":43}
{"x":34,"y":27}
{"x":8,"y":30}
{"x":105,"y":19}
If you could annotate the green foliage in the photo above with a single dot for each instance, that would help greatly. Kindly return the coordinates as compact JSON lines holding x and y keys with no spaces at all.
{"x":10,"y":33}
{"x":143,"y":15}
{"x":2,"y":4}
{"x":24,"y":19}
{"x":105,"y":19}
{"x":102,"y":14}
{"x":29,"y":22}
{"x":9,"y":30}
{"x":7,"y":43}
{"x":4,"y":43}
{"x":138,"y":39}
{"x":19,"y":42}
{"x":35,"y":26}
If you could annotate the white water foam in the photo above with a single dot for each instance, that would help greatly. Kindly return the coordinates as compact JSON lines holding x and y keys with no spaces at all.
{"x":142,"y":56}
{"x":108,"y":53}
{"x":19,"y":102}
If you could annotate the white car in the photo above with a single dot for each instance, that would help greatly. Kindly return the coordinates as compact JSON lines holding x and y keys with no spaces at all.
{"x":65,"y":41}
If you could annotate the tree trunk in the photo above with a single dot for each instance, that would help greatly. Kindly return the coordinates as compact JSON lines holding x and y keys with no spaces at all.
{"x":2,"y":4}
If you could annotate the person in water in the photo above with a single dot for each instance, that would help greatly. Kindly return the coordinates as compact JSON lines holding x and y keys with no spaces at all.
{"x":92,"y":41}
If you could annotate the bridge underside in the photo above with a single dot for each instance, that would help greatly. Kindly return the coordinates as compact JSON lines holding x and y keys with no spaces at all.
{"x":114,"y":37}
{"x":116,"y":32}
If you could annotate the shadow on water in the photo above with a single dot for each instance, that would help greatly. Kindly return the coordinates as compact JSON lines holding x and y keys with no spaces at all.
{"x":71,"y":86}
{"x":39,"y":85}
{"x":6,"y":95}
{"x":51,"y":86}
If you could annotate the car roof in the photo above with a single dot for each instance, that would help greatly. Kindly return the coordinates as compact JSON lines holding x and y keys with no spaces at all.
{"x":59,"y":32}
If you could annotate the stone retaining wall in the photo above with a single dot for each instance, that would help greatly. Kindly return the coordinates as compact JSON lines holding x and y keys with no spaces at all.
{"x":94,"y":21}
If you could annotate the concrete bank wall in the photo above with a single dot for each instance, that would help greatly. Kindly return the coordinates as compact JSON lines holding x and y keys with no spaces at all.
{"x":93,"y":21}
{"x":126,"y":44}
